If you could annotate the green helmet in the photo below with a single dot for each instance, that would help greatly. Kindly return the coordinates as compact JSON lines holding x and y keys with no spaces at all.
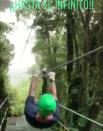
{"x":47,"y":105}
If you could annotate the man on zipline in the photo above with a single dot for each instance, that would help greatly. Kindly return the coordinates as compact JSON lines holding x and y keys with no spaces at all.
{"x":45,"y":112}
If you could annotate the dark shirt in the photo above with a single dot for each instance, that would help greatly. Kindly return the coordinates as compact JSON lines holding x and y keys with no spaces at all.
{"x":31,"y":109}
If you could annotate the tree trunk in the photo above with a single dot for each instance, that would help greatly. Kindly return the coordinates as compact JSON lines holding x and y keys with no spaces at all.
{"x":100,"y":64}
{"x":70,"y":20}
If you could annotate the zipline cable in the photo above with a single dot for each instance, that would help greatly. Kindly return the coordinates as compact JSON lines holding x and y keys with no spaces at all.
{"x":30,"y":33}
{"x":89,"y":119}
{"x":26,"y":43}
{"x":77,"y":58}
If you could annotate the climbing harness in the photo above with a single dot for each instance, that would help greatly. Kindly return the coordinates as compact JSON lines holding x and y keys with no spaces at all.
{"x":44,"y":87}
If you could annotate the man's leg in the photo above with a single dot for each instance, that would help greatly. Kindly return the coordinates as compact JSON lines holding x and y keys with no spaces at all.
{"x":51,"y":84}
{"x":52,"y":89}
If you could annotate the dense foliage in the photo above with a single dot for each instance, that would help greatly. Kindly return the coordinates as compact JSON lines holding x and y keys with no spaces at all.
{"x":17,"y":96}
{"x":6,"y":55}
{"x":62,"y":36}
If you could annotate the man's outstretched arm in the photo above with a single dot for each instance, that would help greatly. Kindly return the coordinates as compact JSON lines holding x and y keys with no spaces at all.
{"x":33,"y":86}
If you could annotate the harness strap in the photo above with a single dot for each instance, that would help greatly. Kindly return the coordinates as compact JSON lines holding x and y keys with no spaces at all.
{"x":44,"y":87}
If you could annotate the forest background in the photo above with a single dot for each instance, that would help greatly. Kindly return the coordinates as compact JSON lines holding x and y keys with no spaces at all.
{"x":62,"y":36}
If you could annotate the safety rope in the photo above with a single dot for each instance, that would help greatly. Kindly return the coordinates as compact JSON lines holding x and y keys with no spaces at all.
{"x":66,"y":128}
{"x":2,"y":121}
{"x":87,"y":118}
{"x":3,"y":102}
{"x":77,"y":58}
